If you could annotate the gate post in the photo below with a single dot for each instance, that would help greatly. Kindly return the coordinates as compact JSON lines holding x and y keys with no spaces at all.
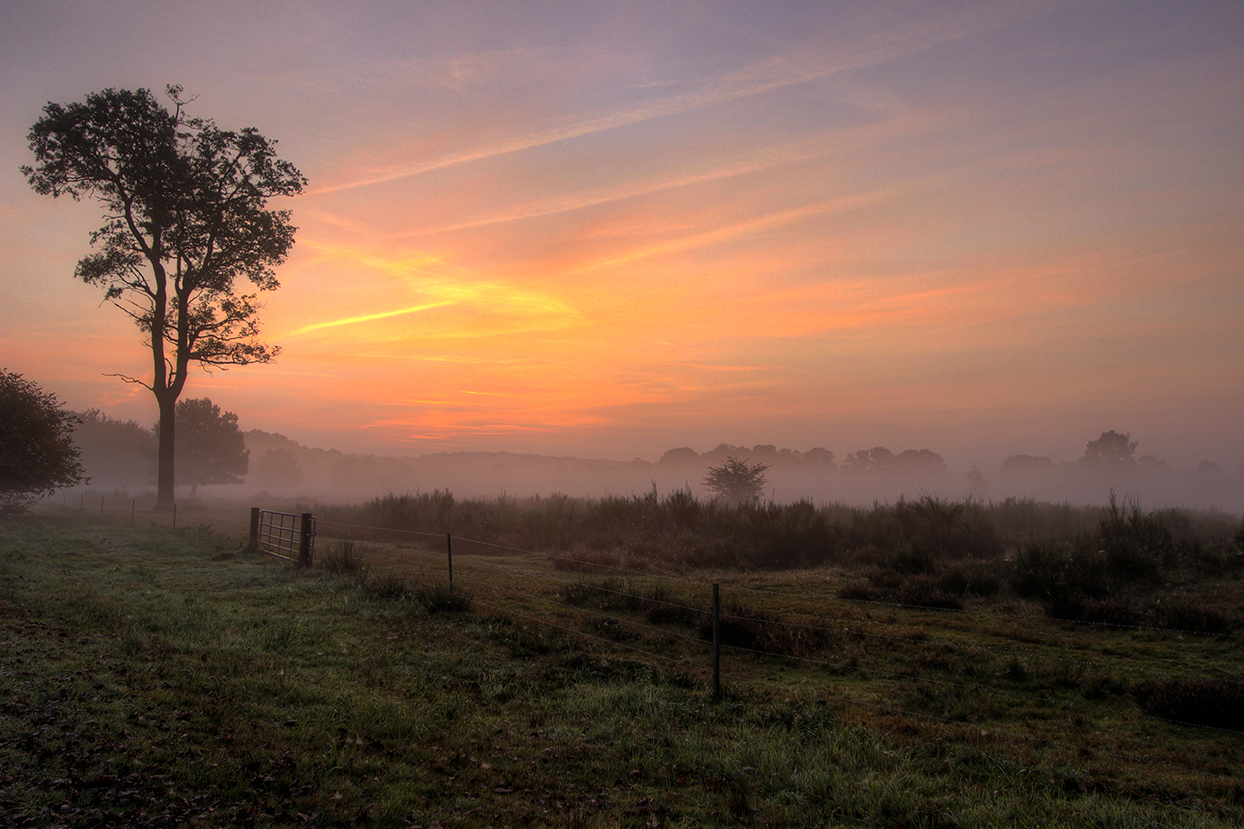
{"x":253,"y":545}
{"x":305,"y":539}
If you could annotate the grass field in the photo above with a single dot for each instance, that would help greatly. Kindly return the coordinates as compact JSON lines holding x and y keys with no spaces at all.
{"x":158,"y":677}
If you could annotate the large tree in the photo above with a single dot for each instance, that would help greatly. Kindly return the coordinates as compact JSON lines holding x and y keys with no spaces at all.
{"x":37,"y":453}
{"x":184,"y":218}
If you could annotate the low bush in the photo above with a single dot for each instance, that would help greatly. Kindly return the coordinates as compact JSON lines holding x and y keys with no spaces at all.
{"x":925,"y":590}
{"x":1112,"y":612}
{"x":739,"y":626}
{"x":347,"y":558}
{"x":1218,"y":703}
{"x":1181,"y":613}
{"x":603,"y":594}
{"x":437,"y":598}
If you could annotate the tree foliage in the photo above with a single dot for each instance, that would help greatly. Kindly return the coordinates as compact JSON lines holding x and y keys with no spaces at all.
{"x":184,"y":219}
{"x":877,"y":459}
{"x":908,"y":462}
{"x":115,"y":452}
{"x":736,"y":481}
{"x":211,"y":448}
{"x":1111,"y":449}
{"x":277,"y":468}
{"x":37,"y":453}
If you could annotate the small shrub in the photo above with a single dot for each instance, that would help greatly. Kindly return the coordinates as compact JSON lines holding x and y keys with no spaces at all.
{"x":438,"y":598}
{"x":1218,"y":703}
{"x":347,"y":558}
{"x":1016,"y":671}
{"x":387,"y":587}
{"x":911,"y":558}
{"x":759,"y":630}
{"x":603,"y":594}
{"x":662,"y":608}
{"x":925,"y":591}
{"x":1112,"y":612}
{"x":970,"y":578}
{"x":1182,"y":613}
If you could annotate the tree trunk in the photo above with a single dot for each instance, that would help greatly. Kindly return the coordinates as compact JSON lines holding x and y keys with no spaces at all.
{"x":164,"y":475}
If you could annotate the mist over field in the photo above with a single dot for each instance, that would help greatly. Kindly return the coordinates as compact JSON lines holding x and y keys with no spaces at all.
{"x":333,"y":476}
{"x":120,"y":456}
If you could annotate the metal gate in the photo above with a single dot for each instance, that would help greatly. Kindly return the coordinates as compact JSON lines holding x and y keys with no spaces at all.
{"x":286,"y":535}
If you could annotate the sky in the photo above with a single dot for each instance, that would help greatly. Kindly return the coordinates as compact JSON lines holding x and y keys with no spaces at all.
{"x":610,"y":229}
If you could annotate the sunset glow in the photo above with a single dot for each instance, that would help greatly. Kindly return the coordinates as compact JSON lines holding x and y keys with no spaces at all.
{"x":610,"y":229}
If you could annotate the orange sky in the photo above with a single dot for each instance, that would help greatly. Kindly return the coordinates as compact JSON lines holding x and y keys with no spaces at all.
{"x":609,"y":229}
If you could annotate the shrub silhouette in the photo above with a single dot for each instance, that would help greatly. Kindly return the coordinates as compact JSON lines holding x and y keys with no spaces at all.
{"x":736,"y":482}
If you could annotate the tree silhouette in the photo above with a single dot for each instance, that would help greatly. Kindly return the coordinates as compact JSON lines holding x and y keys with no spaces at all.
{"x":1111,"y":449}
{"x":210,"y":446}
{"x":918,"y":461}
{"x":278,"y":467}
{"x":736,"y":481}
{"x":115,"y":452}
{"x":877,"y":459}
{"x":184,"y":218}
{"x":37,"y":453}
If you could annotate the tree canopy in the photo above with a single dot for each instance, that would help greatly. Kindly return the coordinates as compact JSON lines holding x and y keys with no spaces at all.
{"x":211,"y":448}
{"x":37,"y":453}
{"x":1111,"y":449}
{"x":184,"y":219}
{"x":909,"y":461}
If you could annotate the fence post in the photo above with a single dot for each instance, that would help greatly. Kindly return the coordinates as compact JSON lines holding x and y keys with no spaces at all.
{"x":716,"y":641}
{"x":133,"y":509}
{"x":253,"y":545}
{"x":449,"y":550}
{"x":101,"y":506}
{"x":305,"y":535}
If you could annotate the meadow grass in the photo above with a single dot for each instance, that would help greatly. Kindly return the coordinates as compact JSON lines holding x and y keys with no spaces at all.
{"x":156,"y":677}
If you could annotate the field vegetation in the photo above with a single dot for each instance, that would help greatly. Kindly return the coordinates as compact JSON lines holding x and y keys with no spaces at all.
{"x":922,"y":664}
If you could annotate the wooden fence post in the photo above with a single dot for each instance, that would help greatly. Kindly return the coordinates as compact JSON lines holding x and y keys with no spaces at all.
{"x":449,"y":550}
{"x":716,"y":641}
{"x":305,"y":536}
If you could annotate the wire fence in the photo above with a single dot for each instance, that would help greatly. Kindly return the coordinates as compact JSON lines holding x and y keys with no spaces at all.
{"x":970,"y":672}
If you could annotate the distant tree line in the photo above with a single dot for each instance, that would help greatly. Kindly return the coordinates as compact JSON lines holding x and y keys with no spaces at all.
{"x":768,"y":454}
{"x":211,"y":448}
{"x":878,"y":459}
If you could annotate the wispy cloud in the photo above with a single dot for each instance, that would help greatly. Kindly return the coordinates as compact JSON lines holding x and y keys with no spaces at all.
{"x":798,"y":67}
{"x":727,"y":233}
{"x":379,"y":315}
